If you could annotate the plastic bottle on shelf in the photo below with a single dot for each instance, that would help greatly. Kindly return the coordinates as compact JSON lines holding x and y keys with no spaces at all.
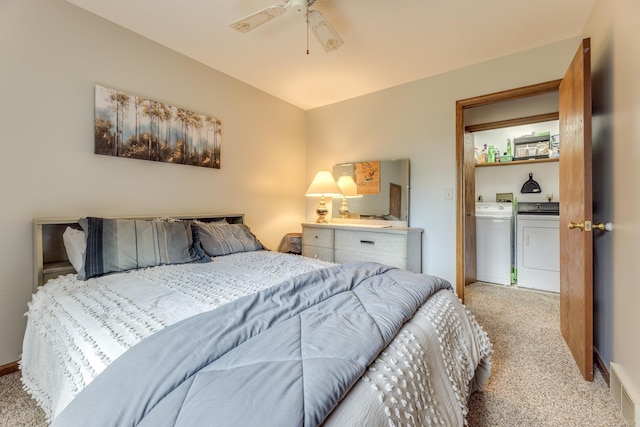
{"x":508,"y":147}
{"x":497,"y":155}
{"x":491,"y":157}
{"x":483,"y":155}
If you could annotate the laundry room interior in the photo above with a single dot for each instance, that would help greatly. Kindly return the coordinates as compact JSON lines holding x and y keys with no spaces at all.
{"x":517,"y":209}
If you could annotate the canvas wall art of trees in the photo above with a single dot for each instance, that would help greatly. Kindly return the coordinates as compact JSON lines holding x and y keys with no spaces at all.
{"x":139,"y":128}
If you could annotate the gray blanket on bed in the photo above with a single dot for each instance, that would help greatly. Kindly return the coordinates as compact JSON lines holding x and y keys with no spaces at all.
{"x":282,"y":357}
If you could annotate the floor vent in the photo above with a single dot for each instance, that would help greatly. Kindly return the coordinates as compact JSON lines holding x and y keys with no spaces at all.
{"x":625,"y":398}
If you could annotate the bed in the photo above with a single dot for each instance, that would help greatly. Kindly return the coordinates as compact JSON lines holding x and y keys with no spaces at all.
{"x":189,"y":319}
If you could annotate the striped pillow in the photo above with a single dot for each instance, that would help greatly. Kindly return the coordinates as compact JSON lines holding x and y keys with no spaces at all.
{"x":125,"y":244}
{"x":225,"y":239}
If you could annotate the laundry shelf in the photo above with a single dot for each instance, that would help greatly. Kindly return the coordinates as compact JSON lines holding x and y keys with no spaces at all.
{"x":519,"y":162}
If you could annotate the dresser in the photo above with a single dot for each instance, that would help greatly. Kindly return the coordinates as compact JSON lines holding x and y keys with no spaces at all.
{"x":396,"y":246}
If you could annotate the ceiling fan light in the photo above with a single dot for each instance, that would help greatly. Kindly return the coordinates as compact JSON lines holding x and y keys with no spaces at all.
{"x":260,"y":17}
{"x":324,"y":32}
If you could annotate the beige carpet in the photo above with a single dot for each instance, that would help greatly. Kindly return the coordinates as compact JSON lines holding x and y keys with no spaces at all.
{"x":17,"y":409}
{"x":534,"y":381}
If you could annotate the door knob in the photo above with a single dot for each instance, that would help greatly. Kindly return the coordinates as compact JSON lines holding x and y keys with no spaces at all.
{"x":603,"y":226}
{"x":588,"y":226}
{"x":579,"y":225}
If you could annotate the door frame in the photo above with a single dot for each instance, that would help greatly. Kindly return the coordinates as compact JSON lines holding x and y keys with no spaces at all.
{"x":465,"y":175}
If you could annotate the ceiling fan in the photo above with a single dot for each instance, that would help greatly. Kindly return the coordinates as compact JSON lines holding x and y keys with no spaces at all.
{"x":328,"y":37}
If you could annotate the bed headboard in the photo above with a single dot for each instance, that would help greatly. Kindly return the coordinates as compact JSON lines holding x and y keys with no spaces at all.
{"x":50,"y":256}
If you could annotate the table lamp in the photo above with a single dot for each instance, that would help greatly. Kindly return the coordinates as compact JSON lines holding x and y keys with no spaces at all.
{"x":323,"y":185}
{"x":349,"y":190}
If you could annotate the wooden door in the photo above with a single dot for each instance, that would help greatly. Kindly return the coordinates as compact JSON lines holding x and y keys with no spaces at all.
{"x":576,"y":242}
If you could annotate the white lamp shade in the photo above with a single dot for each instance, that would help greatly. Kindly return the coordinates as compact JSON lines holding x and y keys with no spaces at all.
{"x":348,"y":186}
{"x":323,"y":185}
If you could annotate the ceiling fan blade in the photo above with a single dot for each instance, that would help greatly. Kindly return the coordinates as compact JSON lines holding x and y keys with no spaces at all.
{"x":328,"y":37}
{"x":260,"y":17}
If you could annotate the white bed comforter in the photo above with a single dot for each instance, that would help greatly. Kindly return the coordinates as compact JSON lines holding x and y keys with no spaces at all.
{"x":76,"y":328}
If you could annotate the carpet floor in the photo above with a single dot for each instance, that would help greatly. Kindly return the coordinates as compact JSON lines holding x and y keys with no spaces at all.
{"x":534,"y":381}
{"x":17,"y":408}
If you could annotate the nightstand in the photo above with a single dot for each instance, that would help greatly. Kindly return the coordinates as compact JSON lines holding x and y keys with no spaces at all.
{"x":291,"y":243}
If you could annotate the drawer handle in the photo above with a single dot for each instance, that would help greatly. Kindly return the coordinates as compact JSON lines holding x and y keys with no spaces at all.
{"x":367,"y":242}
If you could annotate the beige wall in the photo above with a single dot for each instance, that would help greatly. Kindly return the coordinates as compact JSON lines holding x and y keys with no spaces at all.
{"x":624,"y":185}
{"x":626,"y":342}
{"x":51,"y":56}
{"x":614,"y":35}
{"x":417,"y":121}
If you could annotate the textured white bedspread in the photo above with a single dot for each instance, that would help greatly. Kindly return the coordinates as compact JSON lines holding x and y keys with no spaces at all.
{"x":425,"y":375}
{"x":76,"y":328}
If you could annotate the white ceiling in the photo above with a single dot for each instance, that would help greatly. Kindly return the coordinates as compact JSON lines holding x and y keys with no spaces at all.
{"x":386,"y":43}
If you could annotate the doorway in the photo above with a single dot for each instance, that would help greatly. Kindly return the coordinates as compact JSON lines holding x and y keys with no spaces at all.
{"x":465,"y":170}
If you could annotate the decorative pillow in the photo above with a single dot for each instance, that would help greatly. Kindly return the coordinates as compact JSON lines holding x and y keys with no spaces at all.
{"x":123,"y":244}
{"x":226,"y":239}
{"x":75,"y":245}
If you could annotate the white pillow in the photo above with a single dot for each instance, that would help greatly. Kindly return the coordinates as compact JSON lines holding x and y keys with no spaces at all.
{"x":75,"y":245}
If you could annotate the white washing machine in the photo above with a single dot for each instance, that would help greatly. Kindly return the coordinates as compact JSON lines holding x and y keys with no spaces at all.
{"x":538,"y":252}
{"x":494,"y":242}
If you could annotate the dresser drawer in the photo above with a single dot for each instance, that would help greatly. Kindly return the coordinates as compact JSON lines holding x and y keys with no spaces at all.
{"x":342,"y":256}
{"x":372,"y":243}
{"x":395,"y":246}
{"x":317,"y":252}
{"x":313,"y":236}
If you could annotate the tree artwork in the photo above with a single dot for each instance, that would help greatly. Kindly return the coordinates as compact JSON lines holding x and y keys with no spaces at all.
{"x":139,"y":128}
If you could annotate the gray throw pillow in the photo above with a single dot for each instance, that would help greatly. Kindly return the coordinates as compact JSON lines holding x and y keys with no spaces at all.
{"x":226,"y":239}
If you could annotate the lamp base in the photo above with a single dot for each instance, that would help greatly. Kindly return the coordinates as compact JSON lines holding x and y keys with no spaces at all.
{"x":344,"y":210}
{"x":322,"y":219}
{"x":322,"y":212}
